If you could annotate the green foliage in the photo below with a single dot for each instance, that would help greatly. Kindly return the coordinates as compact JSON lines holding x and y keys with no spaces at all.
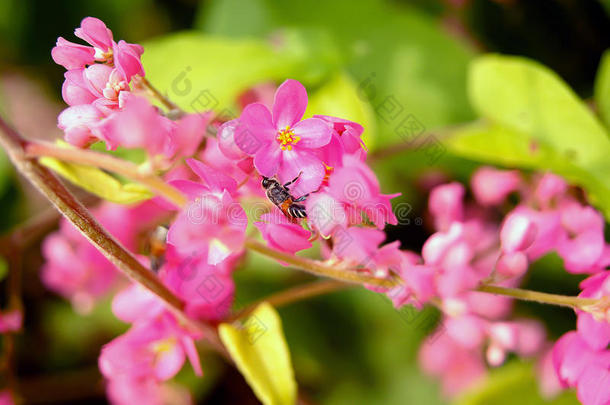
{"x":533,"y":120}
{"x":261,"y":354}
{"x":339,"y":97}
{"x":392,"y":51}
{"x":602,"y":88}
{"x":207,"y":72}
{"x":509,"y":383}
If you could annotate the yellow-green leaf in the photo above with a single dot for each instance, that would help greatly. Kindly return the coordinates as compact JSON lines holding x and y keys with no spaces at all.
{"x":261,"y":354}
{"x":98,"y":182}
{"x":339,"y":97}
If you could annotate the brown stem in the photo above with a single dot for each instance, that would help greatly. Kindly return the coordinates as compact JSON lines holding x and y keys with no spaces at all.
{"x":51,"y":187}
{"x":319,"y":268}
{"x":540,"y":297}
{"x":298,"y":293}
{"x":108,"y":162}
{"x":176,"y":111}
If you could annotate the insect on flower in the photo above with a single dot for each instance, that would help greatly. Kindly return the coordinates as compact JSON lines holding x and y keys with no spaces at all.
{"x":279,"y":195}
{"x":157,"y":244}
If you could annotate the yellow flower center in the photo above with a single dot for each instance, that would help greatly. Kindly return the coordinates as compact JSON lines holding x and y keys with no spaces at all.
{"x":286,"y":138}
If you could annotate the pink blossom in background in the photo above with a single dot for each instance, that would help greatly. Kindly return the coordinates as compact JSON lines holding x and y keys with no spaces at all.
{"x":491,"y":186}
{"x":11,"y":321}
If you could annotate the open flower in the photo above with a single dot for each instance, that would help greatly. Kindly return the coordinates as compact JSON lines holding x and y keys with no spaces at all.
{"x":281,"y":143}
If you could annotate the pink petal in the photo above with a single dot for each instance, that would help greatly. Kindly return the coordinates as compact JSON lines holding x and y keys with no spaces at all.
{"x":310,"y":168}
{"x":169,"y":361}
{"x":593,"y":387}
{"x":96,"y":77}
{"x":213,"y":179}
{"x":256,"y":130}
{"x":127,"y":60}
{"x":95,"y":32}
{"x":191,"y":353}
{"x":74,"y":91}
{"x":267,"y":160}
{"x":289,"y":104}
{"x":71,"y":55}
{"x":314,"y":133}
{"x":596,"y":334}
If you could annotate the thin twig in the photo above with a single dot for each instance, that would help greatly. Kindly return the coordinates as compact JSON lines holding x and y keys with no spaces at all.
{"x":51,"y":187}
{"x":108,"y":162}
{"x":294,"y":294}
{"x":319,"y":268}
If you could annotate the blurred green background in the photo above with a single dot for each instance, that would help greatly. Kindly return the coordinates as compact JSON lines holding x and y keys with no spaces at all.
{"x":350,"y":347}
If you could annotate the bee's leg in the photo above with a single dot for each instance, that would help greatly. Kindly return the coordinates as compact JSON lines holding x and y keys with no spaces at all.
{"x":293,"y":180}
{"x":302,"y":198}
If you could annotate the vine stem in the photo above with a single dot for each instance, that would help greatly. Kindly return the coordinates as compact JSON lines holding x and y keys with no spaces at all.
{"x":107,"y":162}
{"x":350,"y":276}
{"x":152,"y":90}
{"x":540,"y":297}
{"x":51,"y":187}
{"x":294,"y":294}
{"x":319,"y":268}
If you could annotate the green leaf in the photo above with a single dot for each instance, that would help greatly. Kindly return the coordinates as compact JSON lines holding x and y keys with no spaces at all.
{"x":200,"y":72}
{"x":261,"y":354}
{"x":392,"y":50}
{"x":535,"y":121}
{"x":515,"y":382}
{"x":339,"y":97}
{"x":98,"y":182}
{"x":602,"y":88}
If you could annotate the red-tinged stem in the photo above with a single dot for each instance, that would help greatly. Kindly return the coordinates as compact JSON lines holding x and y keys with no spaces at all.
{"x":52,"y":188}
{"x":294,"y":294}
{"x":107,"y":162}
{"x":351,"y":276}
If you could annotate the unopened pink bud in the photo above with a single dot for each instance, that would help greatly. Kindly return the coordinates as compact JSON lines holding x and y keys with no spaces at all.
{"x":512,"y":264}
{"x":518,"y":233}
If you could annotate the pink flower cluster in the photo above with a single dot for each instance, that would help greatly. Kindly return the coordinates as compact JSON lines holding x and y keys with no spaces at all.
{"x":320,"y":167}
{"x":103,"y":100}
{"x":471,"y":247}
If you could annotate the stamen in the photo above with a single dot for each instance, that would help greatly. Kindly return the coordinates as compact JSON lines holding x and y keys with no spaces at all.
{"x":286,"y":138}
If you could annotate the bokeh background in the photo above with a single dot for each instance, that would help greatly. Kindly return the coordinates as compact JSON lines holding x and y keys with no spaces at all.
{"x":350,"y":347}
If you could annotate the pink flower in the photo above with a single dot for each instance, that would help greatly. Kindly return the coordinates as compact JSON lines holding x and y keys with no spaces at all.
{"x":125,"y":56}
{"x":213,"y":225}
{"x":582,"y":244}
{"x":138,"y":125}
{"x":517,"y":233}
{"x":127,"y":59}
{"x":189,"y":134}
{"x":446,"y":204}
{"x":152,"y":348}
{"x":11,"y":321}
{"x":281,"y":143}
{"x":346,"y":139}
{"x":282,"y":234}
{"x":206,"y":289}
{"x":355,"y":186}
{"x":596,"y":332}
{"x":129,"y":391}
{"x":549,"y":189}
{"x":80,"y":124}
{"x":71,"y":55}
{"x":459,"y":368}
{"x":578,"y":365}
{"x":95,"y":33}
{"x":491,"y":186}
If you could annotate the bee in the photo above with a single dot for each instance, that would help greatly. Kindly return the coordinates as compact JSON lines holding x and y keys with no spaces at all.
{"x":157,"y":243}
{"x":279,"y":195}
